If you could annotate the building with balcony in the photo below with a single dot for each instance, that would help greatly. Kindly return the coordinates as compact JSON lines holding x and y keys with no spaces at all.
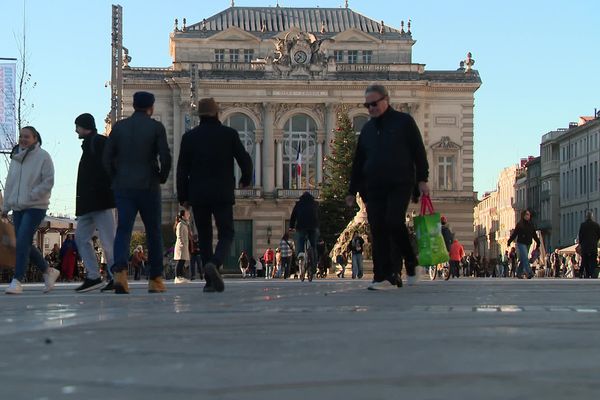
{"x":549,"y":217}
{"x":280,"y":76}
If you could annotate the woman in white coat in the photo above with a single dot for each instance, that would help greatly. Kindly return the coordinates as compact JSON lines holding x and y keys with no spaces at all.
{"x":182,"y":245}
{"x":27,"y":193}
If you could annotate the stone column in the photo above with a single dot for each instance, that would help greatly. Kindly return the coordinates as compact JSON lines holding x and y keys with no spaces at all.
{"x":258,"y":139}
{"x":177,"y":133}
{"x":330,"y":120}
{"x":279,"y":158}
{"x":320,"y":139}
{"x":268,"y":151}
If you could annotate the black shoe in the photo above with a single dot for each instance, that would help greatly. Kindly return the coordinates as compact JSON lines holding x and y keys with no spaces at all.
{"x":212,"y":274}
{"x":89,"y":284}
{"x":110,"y":286}
{"x":208,"y":289}
{"x":360,"y":275}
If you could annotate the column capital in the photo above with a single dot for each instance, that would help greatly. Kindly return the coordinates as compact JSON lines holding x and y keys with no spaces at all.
{"x":259,"y":135}
{"x":278,"y":135}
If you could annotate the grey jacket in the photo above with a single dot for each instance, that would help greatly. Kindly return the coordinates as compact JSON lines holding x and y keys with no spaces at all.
{"x":30,"y":180}
{"x":137,"y":155}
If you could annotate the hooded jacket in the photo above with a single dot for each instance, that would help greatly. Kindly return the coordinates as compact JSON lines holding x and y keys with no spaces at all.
{"x":30,"y":179}
{"x":93,"y":183}
{"x":305,"y":215}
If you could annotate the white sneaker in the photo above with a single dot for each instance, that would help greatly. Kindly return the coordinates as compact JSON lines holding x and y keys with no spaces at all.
{"x":412,"y":280}
{"x":383,"y":285}
{"x":50,"y":278}
{"x":180,"y":280}
{"x":15,"y":287}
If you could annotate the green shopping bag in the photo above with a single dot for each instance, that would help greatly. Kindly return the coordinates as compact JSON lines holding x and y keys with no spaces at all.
{"x":428,"y":232}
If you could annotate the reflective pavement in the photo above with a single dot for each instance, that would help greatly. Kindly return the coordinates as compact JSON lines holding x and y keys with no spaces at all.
{"x":331,"y":339}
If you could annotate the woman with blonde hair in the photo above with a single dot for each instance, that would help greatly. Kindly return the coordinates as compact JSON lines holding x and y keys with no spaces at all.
{"x":182,"y":245}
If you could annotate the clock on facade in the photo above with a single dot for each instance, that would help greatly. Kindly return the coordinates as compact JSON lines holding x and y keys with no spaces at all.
{"x":300,"y":57}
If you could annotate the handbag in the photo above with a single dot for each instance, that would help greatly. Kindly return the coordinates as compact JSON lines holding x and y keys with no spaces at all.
{"x":431,"y":247}
{"x":8,"y":244}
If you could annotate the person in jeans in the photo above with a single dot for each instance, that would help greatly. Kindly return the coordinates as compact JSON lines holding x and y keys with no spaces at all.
{"x":589,"y":234}
{"x":285,"y":249}
{"x":269,"y":257}
{"x":524,"y":233}
{"x":182,"y":246}
{"x":27,"y":193}
{"x":305,"y":221}
{"x":138,"y":159}
{"x":356,"y":247}
{"x":94,"y":205}
{"x":195,"y":260}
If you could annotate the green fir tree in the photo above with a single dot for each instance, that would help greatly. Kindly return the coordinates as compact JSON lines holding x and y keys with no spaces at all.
{"x":334,"y":214}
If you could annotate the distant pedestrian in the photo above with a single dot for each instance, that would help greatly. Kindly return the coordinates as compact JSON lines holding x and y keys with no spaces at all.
{"x":205,"y":181}
{"x":304,"y":221}
{"x":356,"y":248}
{"x":68,"y":256}
{"x":269,"y":258}
{"x":94,"y":206}
{"x":138,"y":159}
{"x":196,"y":260}
{"x":286,"y":249}
{"x":181,"y":252}
{"x":457,"y":252}
{"x":138,"y":262}
{"x":27,"y":192}
{"x":244,"y":263}
{"x":446,"y":232}
{"x":589,"y":234}
{"x":524,"y":233}
{"x":341,"y":261}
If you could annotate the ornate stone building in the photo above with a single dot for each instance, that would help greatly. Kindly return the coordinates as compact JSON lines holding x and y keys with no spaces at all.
{"x":280,"y":76}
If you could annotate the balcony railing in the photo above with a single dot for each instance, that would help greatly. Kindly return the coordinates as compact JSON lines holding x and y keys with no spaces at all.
{"x":248,"y":193}
{"x":296,"y":193}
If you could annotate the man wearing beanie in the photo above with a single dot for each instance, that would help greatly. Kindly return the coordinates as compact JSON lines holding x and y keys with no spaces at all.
{"x":94,"y":204}
{"x":206,"y":182}
{"x":138,"y":159}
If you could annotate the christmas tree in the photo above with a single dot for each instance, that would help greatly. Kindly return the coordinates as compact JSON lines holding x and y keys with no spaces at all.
{"x":334,"y":213}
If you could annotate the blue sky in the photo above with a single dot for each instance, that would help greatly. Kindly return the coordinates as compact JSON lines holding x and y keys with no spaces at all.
{"x":538,"y":60}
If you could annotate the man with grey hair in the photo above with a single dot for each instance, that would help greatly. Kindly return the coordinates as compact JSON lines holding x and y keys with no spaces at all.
{"x":589,"y":234}
{"x":390,"y":163}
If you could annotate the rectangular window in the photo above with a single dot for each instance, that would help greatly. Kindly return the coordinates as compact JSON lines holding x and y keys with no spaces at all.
{"x":339,"y":56}
{"x":352,"y":56}
{"x":219,"y":55}
{"x":234,"y":55}
{"x":248,"y":55}
{"x":446,"y":172}
{"x":367,"y":56}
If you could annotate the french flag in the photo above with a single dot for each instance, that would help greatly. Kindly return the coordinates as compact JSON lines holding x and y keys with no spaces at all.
{"x":299,"y":162}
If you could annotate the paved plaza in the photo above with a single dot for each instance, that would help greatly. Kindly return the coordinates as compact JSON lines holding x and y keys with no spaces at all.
{"x":331,"y":339}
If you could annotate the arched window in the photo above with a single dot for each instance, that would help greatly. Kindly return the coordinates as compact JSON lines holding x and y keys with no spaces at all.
{"x":299,"y":152}
{"x":358,"y":122}
{"x":245,"y":127}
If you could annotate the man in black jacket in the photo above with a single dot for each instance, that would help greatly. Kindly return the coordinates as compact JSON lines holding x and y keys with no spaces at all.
{"x":206,"y":182}
{"x":389,"y":162}
{"x":138,"y":159}
{"x":589,"y":234}
{"x":305,"y":221}
{"x":94,"y":204}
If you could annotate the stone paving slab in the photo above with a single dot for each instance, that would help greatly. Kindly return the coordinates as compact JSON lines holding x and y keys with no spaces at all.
{"x":331,"y":339}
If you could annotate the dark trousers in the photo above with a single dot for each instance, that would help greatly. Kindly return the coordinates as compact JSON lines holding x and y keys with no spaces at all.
{"x":387,"y":218}
{"x":196,"y":265}
{"x":180,"y":268}
{"x":148,"y":203}
{"x":589,"y":262}
{"x":223,"y":214}
{"x":285,"y":266}
{"x":454,"y":266}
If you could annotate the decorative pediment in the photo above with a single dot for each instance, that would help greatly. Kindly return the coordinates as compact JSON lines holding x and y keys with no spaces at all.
{"x":354,"y":35}
{"x":234,"y":34}
{"x":445,"y":144}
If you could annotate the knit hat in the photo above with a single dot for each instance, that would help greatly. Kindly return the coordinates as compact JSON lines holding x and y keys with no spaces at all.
{"x":207,"y":107}
{"x":86,"y":121}
{"x":143,"y":100}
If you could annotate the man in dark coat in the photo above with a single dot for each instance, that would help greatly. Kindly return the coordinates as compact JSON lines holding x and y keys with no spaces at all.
{"x":589,"y":234}
{"x":94,"y":204}
{"x":390,"y":161}
{"x":524,"y":233}
{"x":206,"y":182}
{"x":305,"y":221}
{"x":138,"y":159}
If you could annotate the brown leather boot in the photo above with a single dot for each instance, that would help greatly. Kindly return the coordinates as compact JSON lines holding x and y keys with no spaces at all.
{"x":120,"y":282}
{"x":156,"y":285}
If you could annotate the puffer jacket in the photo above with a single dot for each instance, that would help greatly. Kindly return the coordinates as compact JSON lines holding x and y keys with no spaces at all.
{"x":30,"y":180}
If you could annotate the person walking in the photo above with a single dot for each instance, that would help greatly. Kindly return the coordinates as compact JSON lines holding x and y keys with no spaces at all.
{"x":68,"y":257}
{"x":457,"y":252}
{"x":195,"y":261}
{"x":181,"y":252}
{"x":589,"y":234}
{"x":524,"y":233}
{"x":94,"y":205}
{"x":244,"y":263}
{"x":27,"y":193}
{"x":269,"y":257}
{"x":356,"y":248}
{"x":389,"y":167}
{"x":138,"y":160}
{"x":285,"y":249}
{"x":304,"y":220}
{"x":206,"y":183}
{"x":138,"y":262}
